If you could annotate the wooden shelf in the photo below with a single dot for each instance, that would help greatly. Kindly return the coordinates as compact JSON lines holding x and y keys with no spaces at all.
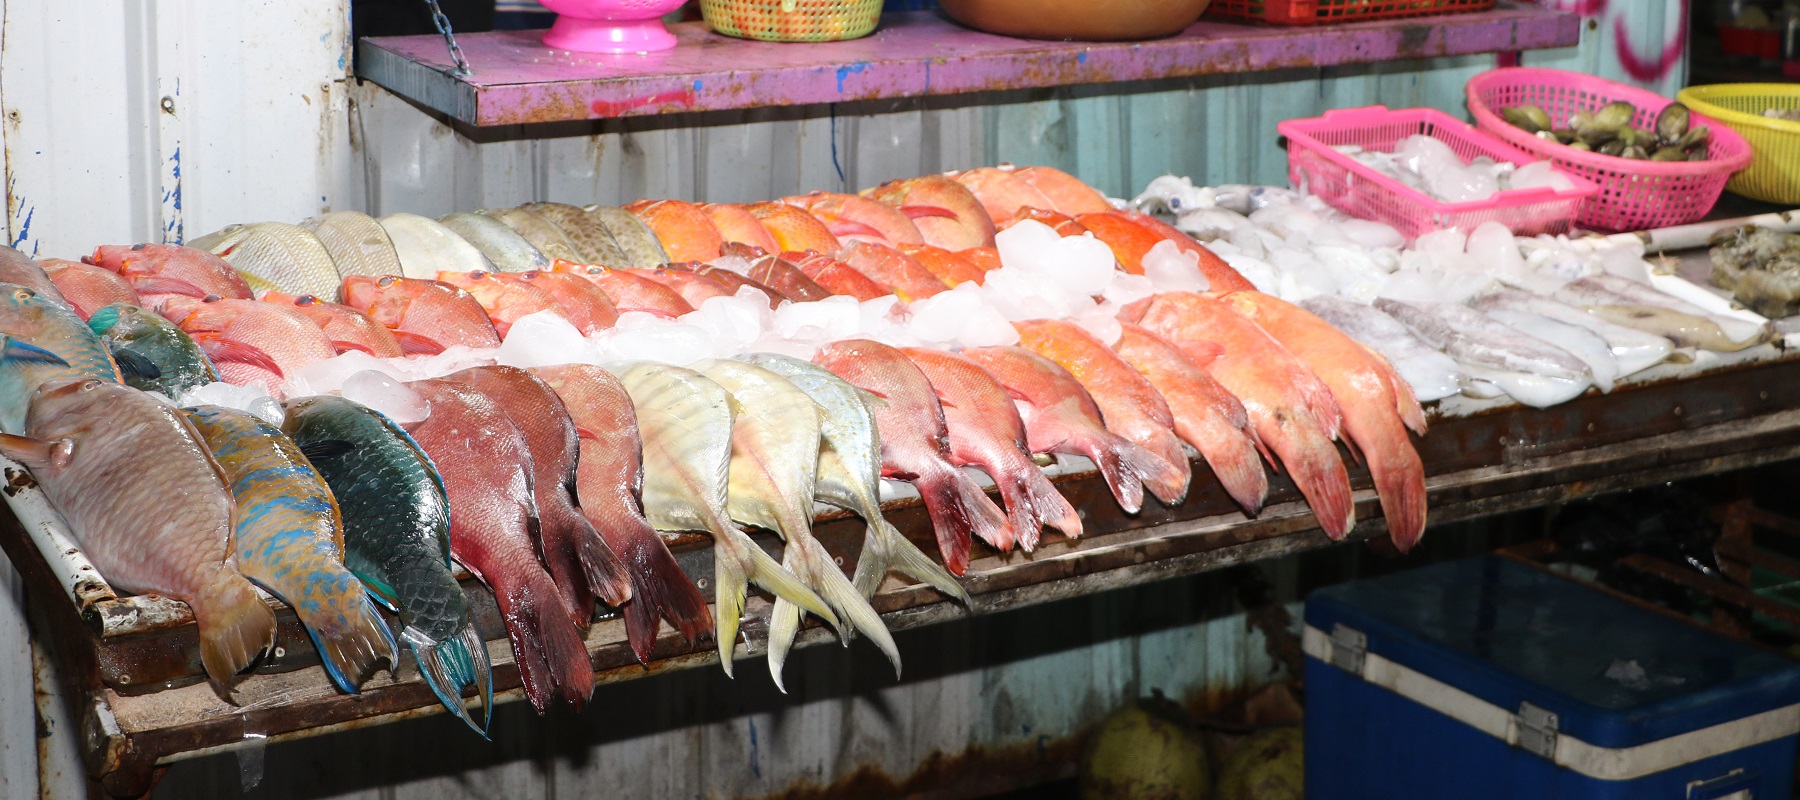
{"x":515,"y":79}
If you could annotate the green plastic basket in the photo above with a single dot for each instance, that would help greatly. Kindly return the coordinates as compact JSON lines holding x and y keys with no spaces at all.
{"x":792,"y":20}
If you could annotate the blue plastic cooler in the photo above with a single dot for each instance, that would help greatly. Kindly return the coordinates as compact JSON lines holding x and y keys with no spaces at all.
{"x":1487,"y":678}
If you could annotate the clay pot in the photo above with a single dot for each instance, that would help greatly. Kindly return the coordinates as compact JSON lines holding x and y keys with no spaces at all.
{"x":1085,"y":20}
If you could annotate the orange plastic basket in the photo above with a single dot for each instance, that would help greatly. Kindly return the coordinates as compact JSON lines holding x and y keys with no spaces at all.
{"x":1313,"y":12}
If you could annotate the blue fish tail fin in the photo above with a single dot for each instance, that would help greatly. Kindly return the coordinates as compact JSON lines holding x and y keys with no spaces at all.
{"x":453,"y":663}
{"x":352,"y":641}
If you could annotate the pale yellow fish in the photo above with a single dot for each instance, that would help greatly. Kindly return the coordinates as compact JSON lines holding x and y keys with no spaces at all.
{"x":357,"y":243}
{"x":426,"y":247}
{"x":592,"y":240}
{"x":276,"y":255}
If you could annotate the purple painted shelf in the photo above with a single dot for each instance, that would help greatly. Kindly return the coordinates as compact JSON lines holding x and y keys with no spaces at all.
{"x":515,"y":79}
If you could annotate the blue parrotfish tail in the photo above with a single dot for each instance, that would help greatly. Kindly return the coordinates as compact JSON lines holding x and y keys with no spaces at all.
{"x":449,"y":665}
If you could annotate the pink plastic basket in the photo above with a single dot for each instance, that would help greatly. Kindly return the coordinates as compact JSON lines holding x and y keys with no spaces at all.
{"x":1634,"y":195}
{"x":1360,"y":191}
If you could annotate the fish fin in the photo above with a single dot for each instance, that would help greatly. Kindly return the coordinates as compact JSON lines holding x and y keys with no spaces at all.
{"x":221,"y":349}
{"x":20,"y":351}
{"x":900,"y":475}
{"x":873,"y":399}
{"x":131,"y":364}
{"x":548,"y":649}
{"x":958,"y":507}
{"x":1232,"y":454}
{"x":1400,"y":485}
{"x":659,"y":589}
{"x":738,"y":561}
{"x":917,"y":212}
{"x":885,"y":548}
{"x":1313,"y":463}
{"x":784,"y":625}
{"x":606,"y":575}
{"x":327,"y":448}
{"x":1032,"y":502}
{"x":414,"y":344}
{"x":350,"y":637}
{"x":815,"y":566}
{"x":235,"y":625}
{"x":37,"y":453}
{"x":1109,"y":456}
{"x":1170,"y":475}
{"x":343,"y":346}
{"x":380,"y":592}
{"x":584,"y":433}
{"x":453,"y":663}
{"x":163,"y":284}
{"x":841,"y":227}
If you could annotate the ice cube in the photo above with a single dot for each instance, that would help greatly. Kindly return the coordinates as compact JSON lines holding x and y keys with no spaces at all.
{"x":671,"y":343}
{"x":327,"y":376}
{"x":1171,"y":269}
{"x":1126,"y":289}
{"x":1540,"y":173}
{"x":832,"y":318}
{"x":734,"y":322}
{"x":1492,"y":246}
{"x":1103,"y":326}
{"x":454,"y":357}
{"x":381,"y":392}
{"x":986,"y":328}
{"x":1369,"y":233}
{"x":940,"y":318}
{"x":251,"y":399}
{"x":542,"y":339}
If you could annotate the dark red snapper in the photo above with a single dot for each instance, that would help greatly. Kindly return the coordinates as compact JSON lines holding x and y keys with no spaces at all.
{"x":487,"y":473}
{"x":105,"y":454}
{"x":88,"y":288}
{"x":579,"y":560}
{"x":916,"y":447}
{"x":158,"y":271}
{"x":609,"y":479}
{"x":252,"y":343}
{"x":431,"y":310}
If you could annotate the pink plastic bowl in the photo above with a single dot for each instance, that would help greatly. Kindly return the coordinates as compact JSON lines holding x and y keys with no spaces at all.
{"x":610,"y":26}
{"x":1634,"y":195}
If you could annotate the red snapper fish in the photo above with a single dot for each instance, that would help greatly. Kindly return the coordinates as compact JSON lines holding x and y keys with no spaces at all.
{"x":252,"y":343}
{"x":505,"y":301}
{"x":1293,"y":411}
{"x":487,"y":471}
{"x":1060,"y":417}
{"x":945,"y":212}
{"x":1207,"y":416}
{"x":88,"y":288}
{"x":609,"y":480}
{"x":854,"y":218}
{"x":433,"y":310}
{"x":987,"y":433}
{"x":900,"y":273}
{"x":916,"y":447}
{"x":1377,"y":404}
{"x":349,"y":329}
{"x":627,"y":289}
{"x":685,"y":230}
{"x":157,"y":271}
{"x":1066,"y":192}
{"x":1001,"y":192}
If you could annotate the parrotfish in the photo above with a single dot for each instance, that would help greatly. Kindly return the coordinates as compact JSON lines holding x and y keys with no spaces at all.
{"x":685,"y":421}
{"x":38,"y":324}
{"x":397,"y":537}
{"x":18,"y":269}
{"x":775,"y":444}
{"x":486,"y":467}
{"x":609,"y":477}
{"x":137,"y":336}
{"x":287,"y":537}
{"x":166,"y":530}
{"x":850,"y":475}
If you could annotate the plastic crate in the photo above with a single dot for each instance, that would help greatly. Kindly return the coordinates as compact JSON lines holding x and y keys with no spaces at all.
{"x":792,"y":20}
{"x":1634,"y":195}
{"x":1774,"y":175}
{"x":1360,"y":191}
{"x":1312,"y":12}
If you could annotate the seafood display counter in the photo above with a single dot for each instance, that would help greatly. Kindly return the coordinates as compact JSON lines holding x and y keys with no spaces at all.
{"x":142,"y":699}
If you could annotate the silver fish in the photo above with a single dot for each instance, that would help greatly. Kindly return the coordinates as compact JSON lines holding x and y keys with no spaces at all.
{"x":357,"y":243}
{"x":1475,"y":339}
{"x":502,"y":245}
{"x":775,"y":444}
{"x":276,"y":255}
{"x":1432,"y":375}
{"x":850,"y":474}
{"x":427,"y":248}
{"x":1635,"y":350}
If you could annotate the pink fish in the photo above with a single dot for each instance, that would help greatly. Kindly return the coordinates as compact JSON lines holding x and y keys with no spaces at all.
{"x":160,"y":270}
{"x":1206,"y":415}
{"x":432,"y":310}
{"x":252,"y":343}
{"x":88,"y":288}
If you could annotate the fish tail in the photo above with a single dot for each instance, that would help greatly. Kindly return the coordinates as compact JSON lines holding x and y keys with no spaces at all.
{"x":1109,"y":454}
{"x":958,"y":507}
{"x":659,"y":590}
{"x":737,"y":562}
{"x":1032,"y":502}
{"x":1233,"y":455}
{"x":551,"y":656}
{"x":819,"y":569}
{"x":560,"y":546}
{"x":350,"y":636}
{"x":885,"y":548}
{"x":235,"y":625}
{"x":453,"y":663}
{"x":1168,"y":480}
{"x":605,"y":574}
{"x":1313,"y":462}
{"x":1400,"y":484}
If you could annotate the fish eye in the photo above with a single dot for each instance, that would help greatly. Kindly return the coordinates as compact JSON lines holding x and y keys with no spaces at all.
{"x":477,"y":274}
{"x":90,"y":386}
{"x":386,"y":281}
{"x":305,"y":300}
{"x":529,"y":274}
{"x":211,"y":298}
{"x":23,"y":294}
{"x":140,"y":246}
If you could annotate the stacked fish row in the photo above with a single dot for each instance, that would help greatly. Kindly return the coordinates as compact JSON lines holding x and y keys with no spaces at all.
{"x":552,"y":482}
{"x":1480,"y":313}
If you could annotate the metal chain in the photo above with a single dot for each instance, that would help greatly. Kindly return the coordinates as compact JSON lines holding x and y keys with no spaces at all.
{"x":443,"y":25}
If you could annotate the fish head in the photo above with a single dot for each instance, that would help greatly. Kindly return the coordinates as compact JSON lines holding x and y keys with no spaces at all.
{"x":28,"y":314}
{"x":66,"y":400}
{"x":122,"y":321}
{"x":386,"y":298}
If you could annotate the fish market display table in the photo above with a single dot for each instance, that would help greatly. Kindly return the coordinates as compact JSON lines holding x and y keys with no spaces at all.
{"x":141,"y":701}
{"x":515,"y":79}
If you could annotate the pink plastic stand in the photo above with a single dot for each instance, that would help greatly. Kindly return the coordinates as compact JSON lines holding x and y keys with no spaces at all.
{"x":610,"y":26}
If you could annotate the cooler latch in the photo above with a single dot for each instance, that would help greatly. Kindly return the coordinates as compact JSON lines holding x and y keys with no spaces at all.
{"x":1348,"y":646}
{"x":1537,"y":730}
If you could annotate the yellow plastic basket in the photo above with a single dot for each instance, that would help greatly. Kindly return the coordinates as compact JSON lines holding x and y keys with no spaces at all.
{"x":1774,"y":176}
{"x":792,"y":20}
